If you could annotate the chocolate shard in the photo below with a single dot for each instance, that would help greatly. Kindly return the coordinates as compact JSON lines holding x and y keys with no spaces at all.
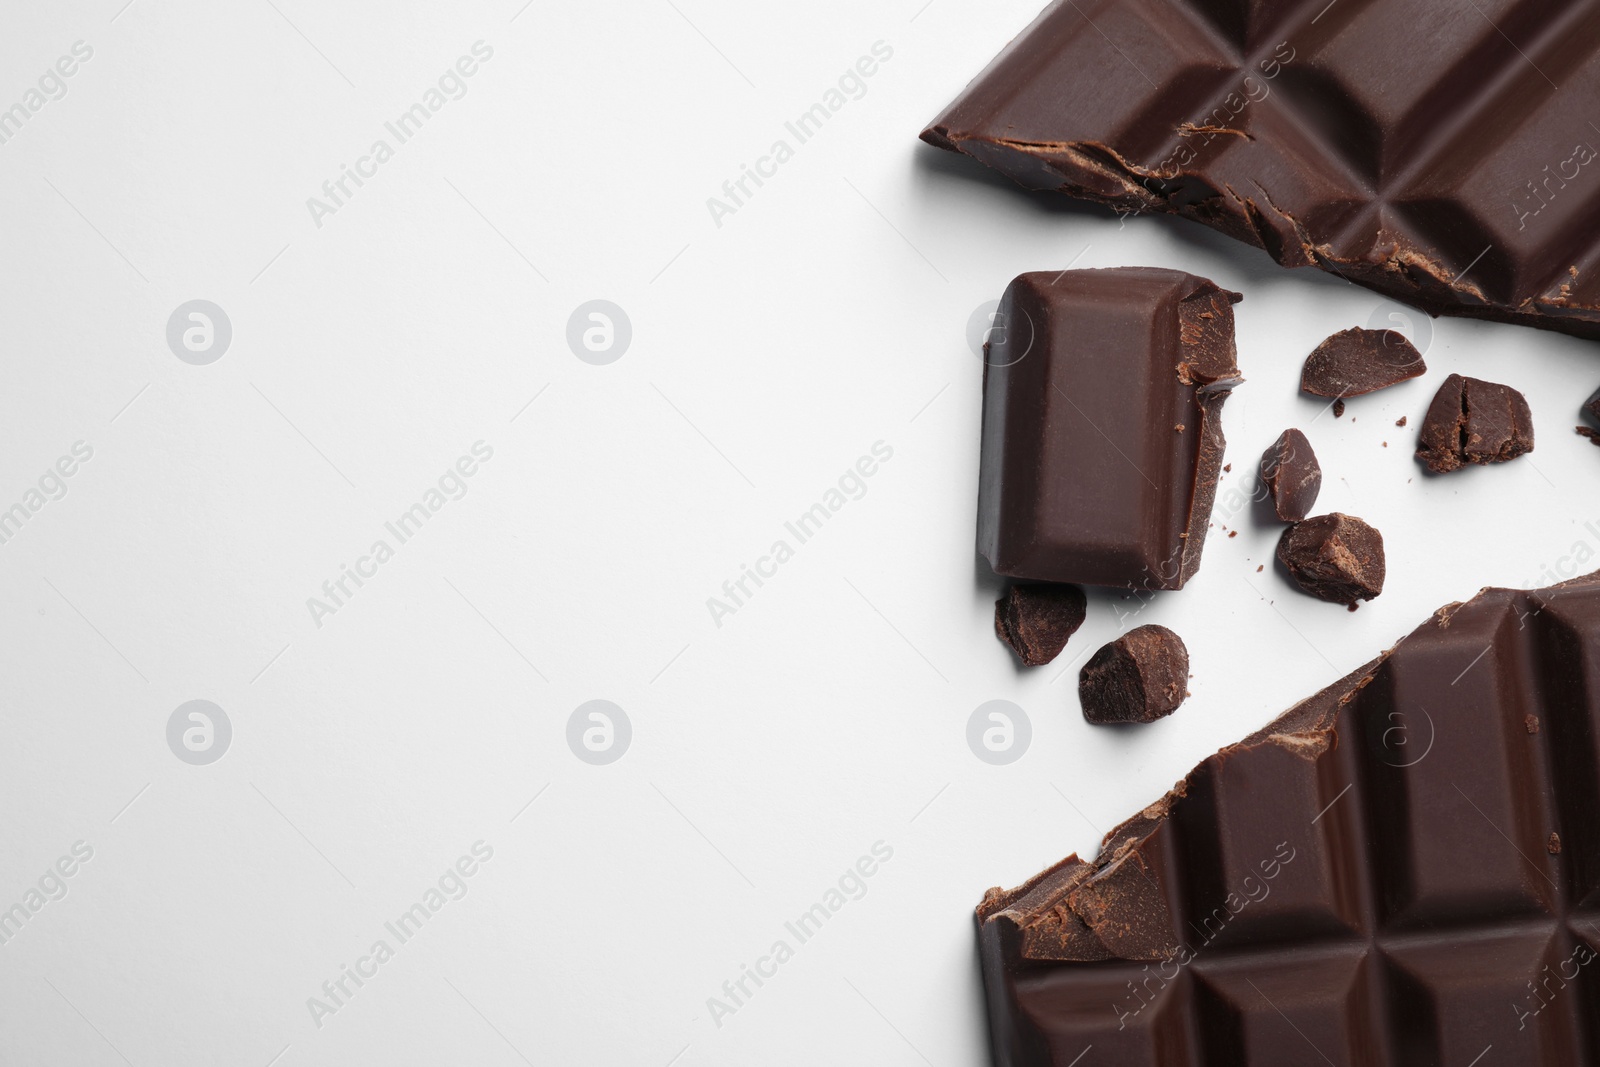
{"x":1323,"y":137}
{"x":1591,"y":407}
{"x":1084,"y":476}
{"x":1355,"y":362}
{"x":1385,"y":875}
{"x":1473,"y":421}
{"x":1334,"y":557}
{"x":1142,"y":676}
{"x":1292,"y":475}
{"x":1036,"y":620}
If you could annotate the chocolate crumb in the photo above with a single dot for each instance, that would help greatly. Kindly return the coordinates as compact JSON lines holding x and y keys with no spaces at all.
{"x":1592,"y":435}
{"x":1338,"y":409}
{"x":1137,"y":678}
{"x":1335,"y":557}
{"x":1473,"y":421}
{"x":1233,"y":533}
{"x":1261,"y":568}
{"x":1036,"y":620}
{"x":1401,"y":421}
{"x":1227,"y":468}
{"x":1532,"y":723}
{"x":1553,"y":846}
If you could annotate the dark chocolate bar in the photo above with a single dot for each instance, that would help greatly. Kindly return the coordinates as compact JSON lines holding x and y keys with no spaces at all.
{"x":1442,"y":153}
{"x":1102,"y":441}
{"x":1403,"y":870}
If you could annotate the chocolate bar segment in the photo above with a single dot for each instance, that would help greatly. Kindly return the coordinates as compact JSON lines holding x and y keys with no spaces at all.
{"x":1101,"y":435}
{"x":1401,"y":870}
{"x":1440,"y":153}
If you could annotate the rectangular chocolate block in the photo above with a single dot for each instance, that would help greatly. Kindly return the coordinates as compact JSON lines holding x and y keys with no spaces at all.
{"x":1402,"y":870}
{"x":1102,"y":438}
{"x":1442,"y":153}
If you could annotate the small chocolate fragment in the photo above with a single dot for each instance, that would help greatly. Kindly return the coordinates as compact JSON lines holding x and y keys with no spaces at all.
{"x":1401,"y":421}
{"x":1591,"y":407}
{"x":1036,"y":620}
{"x":1531,"y":723}
{"x":1336,"y":557}
{"x":1355,"y":362}
{"x":1291,"y":473}
{"x":1142,"y":676}
{"x":1338,"y":409}
{"x":1553,"y":846}
{"x":1473,"y":421}
{"x":1592,"y":435}
{"x":1079,"y":478}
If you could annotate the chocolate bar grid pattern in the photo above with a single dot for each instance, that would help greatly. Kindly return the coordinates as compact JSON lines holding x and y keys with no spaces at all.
{"x":1421,"y":900}
{"x":1526,"y":67}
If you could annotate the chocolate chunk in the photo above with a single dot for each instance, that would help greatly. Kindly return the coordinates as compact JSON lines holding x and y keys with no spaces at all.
{"x":1354,"y":362}
{"x":1292,"y":475}
{"x":1080,"y":478}
{"x":1591,"y":407}
{"x":1324,"y":136}
{"x":1337,"y":558}
{"x":1592,"y":435}
{"x":1142,"y":676}
{"x":1389,"y":874}
{"x":1036,"y":620}
{"x":1472,"y":421}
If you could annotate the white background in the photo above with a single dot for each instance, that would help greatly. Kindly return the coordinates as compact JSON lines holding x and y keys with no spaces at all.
{"x":768,"y":353}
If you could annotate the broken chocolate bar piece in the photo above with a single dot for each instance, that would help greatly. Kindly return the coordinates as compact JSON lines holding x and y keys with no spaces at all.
{"x":1454,"y":177}
{"x":1292,"y":475}
{"x":1142,"y":676}
{"x":1473,"y":421}
{"x":1036,"y":620}
{"x":1394,"y":873}
{"x":1102,"y":441}
{"x":1334,"y":557}
{"x":1355,"y":362}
